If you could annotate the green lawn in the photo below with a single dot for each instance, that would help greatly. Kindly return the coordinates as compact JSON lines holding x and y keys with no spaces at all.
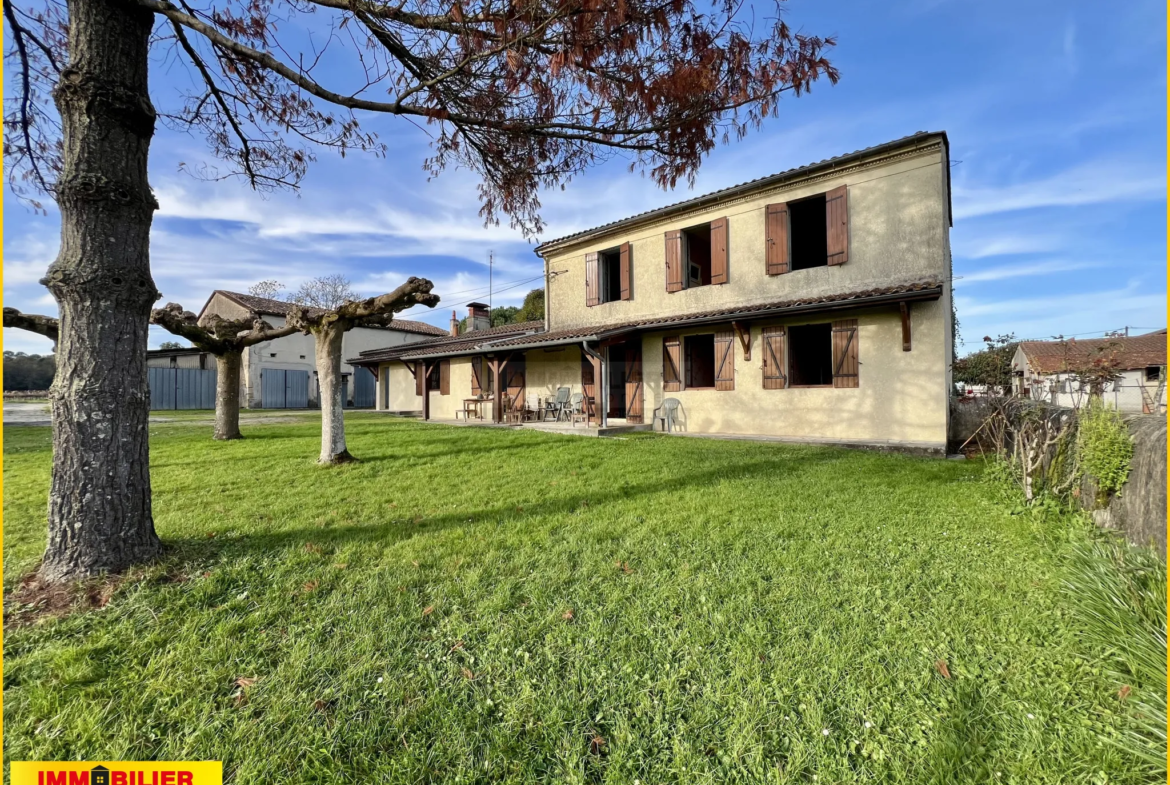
{"x":479,"y":605}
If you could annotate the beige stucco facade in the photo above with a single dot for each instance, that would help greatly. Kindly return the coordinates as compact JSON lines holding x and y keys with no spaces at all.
{"x":898,"y":238}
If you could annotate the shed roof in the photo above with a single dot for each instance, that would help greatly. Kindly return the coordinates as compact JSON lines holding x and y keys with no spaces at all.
{"x":1124,"y":353}
{"x":268,"y":307}
{"x":920,"y":138}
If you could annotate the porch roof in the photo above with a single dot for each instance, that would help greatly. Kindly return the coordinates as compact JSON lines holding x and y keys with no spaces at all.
{"x":908,"y":292}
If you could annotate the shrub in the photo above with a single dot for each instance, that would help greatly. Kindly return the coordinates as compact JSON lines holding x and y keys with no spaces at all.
{"x":1104,"y":447}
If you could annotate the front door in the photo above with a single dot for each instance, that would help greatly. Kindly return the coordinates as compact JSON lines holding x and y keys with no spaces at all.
{"x":634,"y":393}
{"x":514,"y":380}
{"x":615,"y":380}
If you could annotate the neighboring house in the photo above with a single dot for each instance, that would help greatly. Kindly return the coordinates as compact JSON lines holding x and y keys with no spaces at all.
{"x":282,"y":373}
{"x":1056,"y":371}
{"x":814,"y":305}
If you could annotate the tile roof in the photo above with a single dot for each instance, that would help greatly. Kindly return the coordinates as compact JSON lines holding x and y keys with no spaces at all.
{"x":448,"y":343}
{"x":758,"y":183}
{"x":926,"y":289}
{"x":265,"y":306}
{"x":1138,"y":351}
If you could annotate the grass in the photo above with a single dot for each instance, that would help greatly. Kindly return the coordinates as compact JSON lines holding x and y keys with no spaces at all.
{"x":475,"y":605}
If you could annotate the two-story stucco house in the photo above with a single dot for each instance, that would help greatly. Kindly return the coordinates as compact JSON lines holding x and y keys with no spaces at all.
{"x":813,"y":305}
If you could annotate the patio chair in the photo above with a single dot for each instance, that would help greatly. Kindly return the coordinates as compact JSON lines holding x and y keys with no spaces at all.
{"x":556,"y":407}
{"x":669,"y":414}
{"x":577,"y":408}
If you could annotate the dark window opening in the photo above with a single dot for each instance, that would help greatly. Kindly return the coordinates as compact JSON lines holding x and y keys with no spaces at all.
{"x":810,"y":355}
{"x":616,"y":376}
{"x":696,"y":248}
{"x":433,"y":379}
{"x":609,"y":264}
{"x":700,"y":360}
{"x":808,"y":232}
{"x":1153,"y":373}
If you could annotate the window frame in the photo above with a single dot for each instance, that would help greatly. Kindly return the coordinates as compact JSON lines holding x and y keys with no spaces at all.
{"x":794,"y":207}
{"x":686,"y":362}
{"x":605,"y":259}
{"x":687,"y":235}
{"x":789,"y":352}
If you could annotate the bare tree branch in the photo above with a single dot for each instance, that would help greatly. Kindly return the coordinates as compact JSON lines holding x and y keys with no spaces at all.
{"x":47,"y":326}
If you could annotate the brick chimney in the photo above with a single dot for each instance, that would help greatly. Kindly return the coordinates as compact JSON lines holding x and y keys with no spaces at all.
{"x":454,"y":325}
{"x":479,"y":317}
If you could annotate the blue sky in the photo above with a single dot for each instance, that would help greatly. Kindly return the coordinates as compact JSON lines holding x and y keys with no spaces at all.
{"x":1055,"y":110}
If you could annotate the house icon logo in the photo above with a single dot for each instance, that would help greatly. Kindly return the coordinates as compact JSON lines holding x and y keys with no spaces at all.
{"x":99,"y":775}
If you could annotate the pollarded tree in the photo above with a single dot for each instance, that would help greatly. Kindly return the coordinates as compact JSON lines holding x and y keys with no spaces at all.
{"x":226,"y":339}
{"x":525,"y":94}
{"x":328,"y":328}
{"x":46,"y":326}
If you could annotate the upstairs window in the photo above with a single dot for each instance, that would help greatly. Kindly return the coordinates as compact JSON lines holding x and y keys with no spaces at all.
{"x":609,"y":275}
{"x":697,"y":256}
{"x":810,"y":241}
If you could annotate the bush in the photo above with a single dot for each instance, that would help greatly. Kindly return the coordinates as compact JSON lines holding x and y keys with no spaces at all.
{"x":1104,"y":447}
{"x":1119,"y":594}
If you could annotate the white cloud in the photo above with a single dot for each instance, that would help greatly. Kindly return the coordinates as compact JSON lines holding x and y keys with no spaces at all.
{"x":1019,"y":271}
{"x":1091,"y":183}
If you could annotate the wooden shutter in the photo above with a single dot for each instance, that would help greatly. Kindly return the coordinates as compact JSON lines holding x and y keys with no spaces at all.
{"x":476,"y":375}
{"x":444,"y":377}
{"x":778,"y":251}
{"x":516,"y":381}
{"x":719,"y":250}
{"x":419,"y":378}
{"x":627,"y":272}
{"x":837,"y":224}
{"x":845,"y":364}
{"x":671,"y":357}
{"x":725,"y":360}
{"x":634,"y":396}
{"x":592,"y":280}
{"x":674,"y":267}
{"x":588,"y":385}
{"x":775,"y":359}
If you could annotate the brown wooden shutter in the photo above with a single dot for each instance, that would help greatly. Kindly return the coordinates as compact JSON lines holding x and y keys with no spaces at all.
{"x":725,"y":360}
{"x":778,"y":252}
{"x":627,"y":271}
{"x":592,"y":280}
{"x":444,"y":377}
{"x":476,"y":375}
{"x":419,"y":374}
{"x":674,"y":268}
{"x":516,"y":380}
{"x":837,"y":224}
{"x":845,"y":363}
{"x":634,"y":396}
{"x":671,"y":357}
{"x":720,"y":243}
{"x":775,"y":359}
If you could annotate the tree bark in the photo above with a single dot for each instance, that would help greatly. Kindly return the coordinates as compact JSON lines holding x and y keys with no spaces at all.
{"x":227,"y":395}
{"x":99,"y":498}
{"x":328,"y":351}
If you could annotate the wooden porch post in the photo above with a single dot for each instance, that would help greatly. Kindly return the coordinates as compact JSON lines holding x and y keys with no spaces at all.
{"x":494,"y":369}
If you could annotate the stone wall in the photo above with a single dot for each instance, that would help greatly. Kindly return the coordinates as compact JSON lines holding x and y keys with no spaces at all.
{"x":1139,"y":510}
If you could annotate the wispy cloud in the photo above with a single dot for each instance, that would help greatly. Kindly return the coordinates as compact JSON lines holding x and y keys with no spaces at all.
{"x":1019,"y":271}
{"x":1092,"y":183}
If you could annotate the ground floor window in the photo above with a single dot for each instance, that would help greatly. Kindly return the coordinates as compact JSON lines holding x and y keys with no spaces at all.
{"x":700,"y":360}
{"x":810,"y":355}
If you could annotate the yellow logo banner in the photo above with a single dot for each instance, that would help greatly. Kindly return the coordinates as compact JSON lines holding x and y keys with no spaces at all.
{"x":117,"y":773}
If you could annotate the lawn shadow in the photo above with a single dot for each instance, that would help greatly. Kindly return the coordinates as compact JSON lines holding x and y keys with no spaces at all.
{"x":963,"y":747}
{"x":392,"y":532}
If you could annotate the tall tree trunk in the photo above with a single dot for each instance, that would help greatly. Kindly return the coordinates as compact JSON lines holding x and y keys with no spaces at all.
{"x":328,"y":350}
{"x":99,"y":499}
{"x":227,"y":395}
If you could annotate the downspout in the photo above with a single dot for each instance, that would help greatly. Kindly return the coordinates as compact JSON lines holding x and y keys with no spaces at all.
{"x":602,"y":387}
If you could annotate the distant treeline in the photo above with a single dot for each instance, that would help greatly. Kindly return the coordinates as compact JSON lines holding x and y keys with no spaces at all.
{"x":28,"y":371}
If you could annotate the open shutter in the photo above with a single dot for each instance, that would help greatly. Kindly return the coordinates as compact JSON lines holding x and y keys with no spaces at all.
{"x":778,"y":251}
{"x":476,"y":375}
{"x":627,"y":272}
{"x":671,"y":356}
{"x":725,"y":360}
{"x":444,"y":377}
{"x":674,"y":268}
{"x":719,"y":251}
{"x":837,"y":224}
{"x":592,"y":280}
{"x":845,"y":364}
{"x":634,"y":382}
{"x":775,"y":361}
{"x":419,"y":379}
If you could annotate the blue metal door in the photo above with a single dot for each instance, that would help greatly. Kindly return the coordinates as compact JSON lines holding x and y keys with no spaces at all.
{"x":296,"y":389}
{"x":364,"y":385}
{"x":281,"y":389}
{"x":181,"y":388}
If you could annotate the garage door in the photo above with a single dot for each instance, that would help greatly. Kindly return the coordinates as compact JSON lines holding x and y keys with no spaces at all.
{"x":280,"y":389}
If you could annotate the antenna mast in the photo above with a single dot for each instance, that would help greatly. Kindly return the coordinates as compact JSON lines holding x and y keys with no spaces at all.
{"x":491,"y":263}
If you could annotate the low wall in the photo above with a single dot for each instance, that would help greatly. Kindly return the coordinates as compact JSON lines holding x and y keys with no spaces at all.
{"x":1139,"y":510}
